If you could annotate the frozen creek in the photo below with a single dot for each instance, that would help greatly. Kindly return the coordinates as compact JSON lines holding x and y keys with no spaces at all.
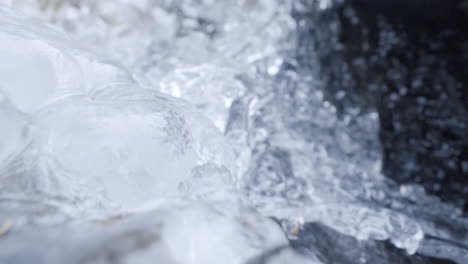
{"x":183,"y":132}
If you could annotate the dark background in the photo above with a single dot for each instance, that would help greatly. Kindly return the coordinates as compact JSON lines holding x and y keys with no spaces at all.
{"x":407,"y":59}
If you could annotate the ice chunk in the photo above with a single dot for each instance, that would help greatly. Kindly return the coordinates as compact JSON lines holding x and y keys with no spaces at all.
{"x":177,"y":232}
{"x":212,"y":89}
{"x":128,"y":146}
{"x":39,"y":64}
{"x":238,"y":232}
{"x":33,"y":71}
{"x":99,"y":139}
{"x":358,"y":221}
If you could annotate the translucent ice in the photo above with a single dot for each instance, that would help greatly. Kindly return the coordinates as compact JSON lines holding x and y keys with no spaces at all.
{"x":129,"y":147}
{"x":189,"y":47}
{"x":82,"y":134}
{"x":40,"y":64}
{"x":90,"y":135}
{"x":177,"y":232}
{"x":211,"y":88}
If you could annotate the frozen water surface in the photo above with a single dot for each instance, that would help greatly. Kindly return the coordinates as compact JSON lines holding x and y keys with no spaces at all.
{"x":101,"y":163}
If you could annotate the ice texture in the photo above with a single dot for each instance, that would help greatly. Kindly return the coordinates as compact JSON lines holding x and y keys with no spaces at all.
{"x":82,"y":140}
{"x":129,"y":149}
{"x":79,"y":128}
{"x":15,"y":134}
{"x":65,"y":67}
{"x":212,"y":89}
{"x":177,"y":232}
{"x":88,"y":136}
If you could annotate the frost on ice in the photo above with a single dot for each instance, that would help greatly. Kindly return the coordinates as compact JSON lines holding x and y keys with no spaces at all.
{"x":80,"y":140}
{"x":87,"y":132}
